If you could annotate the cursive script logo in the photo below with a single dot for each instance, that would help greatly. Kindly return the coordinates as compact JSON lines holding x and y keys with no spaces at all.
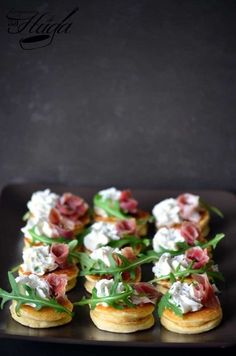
{"x":38,"y":29}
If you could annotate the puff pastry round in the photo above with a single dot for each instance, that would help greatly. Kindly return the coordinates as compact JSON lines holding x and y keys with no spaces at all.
{"x":44,"y":318}
{"x":194,"y":322}
{"x":127,"y":320}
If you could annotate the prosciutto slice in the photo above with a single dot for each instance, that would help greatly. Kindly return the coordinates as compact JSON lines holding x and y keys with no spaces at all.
{"x":204,"y":291}
{"x":60,"y":226}
{"x":144,"y":293}
{"x":60,"y":254}
{"x":126,"y":227}
{"x":198,"y":255}
{"x":57,"y":285}
{"x":127,"y":203}
{"x":72,"y":206}
{"x":189,"y":205}
{"x":190,"y":232}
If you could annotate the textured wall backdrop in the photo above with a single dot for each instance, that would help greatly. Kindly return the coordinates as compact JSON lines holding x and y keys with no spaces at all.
{"x":140,"y":93}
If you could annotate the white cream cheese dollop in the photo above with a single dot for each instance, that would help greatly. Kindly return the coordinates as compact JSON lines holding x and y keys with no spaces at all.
{"x":182,"y":295}
{"x":168,"y":264}
{"x":104,"y":286}
{"x":100,"y":235}
{"x":38,"y":260}
{"x":103,"y":254}
{"x":166,"y":213}
{"x":40,"y":285}
{"x":41,"y":203}
{"x":42,"y":227}
{"x":167,"y":238}
{"x":110,"y":193}
{"x":39,"y":207}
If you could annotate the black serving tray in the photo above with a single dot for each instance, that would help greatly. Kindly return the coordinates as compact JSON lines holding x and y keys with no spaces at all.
{"x":81,"y":330}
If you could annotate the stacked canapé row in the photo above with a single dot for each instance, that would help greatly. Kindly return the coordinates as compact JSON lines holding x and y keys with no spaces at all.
{"x":104,"y":247}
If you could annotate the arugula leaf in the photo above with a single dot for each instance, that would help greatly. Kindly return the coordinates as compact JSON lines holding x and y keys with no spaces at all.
{"x":112,"y":208}
{"x":47,"y":240}
{"x":131,"y":240}
{"x":213,"y":242}
{"x":211,"y":208}
{"x":23,"y":294}
{"x":181,"y":274}
{"x":165,"y":303}
{"x":89,"y":266}
{"x":116,"y":299}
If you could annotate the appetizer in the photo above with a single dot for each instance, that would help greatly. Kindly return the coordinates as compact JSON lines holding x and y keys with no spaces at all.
{"x":110,"y":257}
{"x":41,"y":260}
{"x":38,"y":303}
{"x":179,"y":259}
{"x":122,"y":308}
{"x":190,"y":308}
{"x":55,"y":216}
{"x":112,"y":205}
{"x":186,"y":207}
{"x":170,"y":238}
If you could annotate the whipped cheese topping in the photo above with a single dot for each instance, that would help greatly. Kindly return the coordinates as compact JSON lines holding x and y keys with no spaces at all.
{"x":167,"y":238}
{"x":166,"y":213}
{"x":168,"y":264}
{"x":182,"y":295}
{"x":110,"y":193}
{"x":104,"y":286}
{"x":100,"y":235}
{"x":41,"y":203}
{"x":38,"y":260}
{"x":102,"y":254}
{"x":42,"y":227}
{"x":40,"y":285}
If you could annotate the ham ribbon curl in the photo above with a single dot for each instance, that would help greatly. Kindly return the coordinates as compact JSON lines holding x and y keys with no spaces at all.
{"x":190,"y":232}
{"x":71,"y":206}
{"x":144,"y":293}
{"x":60,"y":254}
{"x":204,"y":291}
{"x":57,"y":285}
{"x":61,"y":227}
{"x":189,"y":205}
{"x":127,"y":203}
{"x":198,"y":255}
{"x":126,"y":227}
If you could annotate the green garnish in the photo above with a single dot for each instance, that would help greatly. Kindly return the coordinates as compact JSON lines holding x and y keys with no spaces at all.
{"x":92,"y":267}
{"x":213,"y":242}
{"x":116,"y":299}
{"x":166,"y":304}
{"x":130,"y":240}
{"x":177,"y":274}
{"x":26,"y":295}
{"x":47,"y":240}
{"x":211,"y":208}
{"x":111,"y":207}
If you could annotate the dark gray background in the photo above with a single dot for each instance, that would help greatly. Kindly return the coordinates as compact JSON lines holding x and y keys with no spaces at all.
{"x":141,"y":93}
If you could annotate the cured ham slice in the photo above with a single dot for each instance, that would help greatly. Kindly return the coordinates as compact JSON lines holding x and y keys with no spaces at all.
{"x":60,"y":226}
{"x":189,"y":205}
{"x":198,"y":255}
{"x":126,"y":227}
{"x":72,"y":206}
{"x":57,"y":285}
{"x":144,"y":293}
{"x":204,"y":291}
{"x":190,"y":232}
{"x":127,"y":203}
{"x":60,"y":254}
